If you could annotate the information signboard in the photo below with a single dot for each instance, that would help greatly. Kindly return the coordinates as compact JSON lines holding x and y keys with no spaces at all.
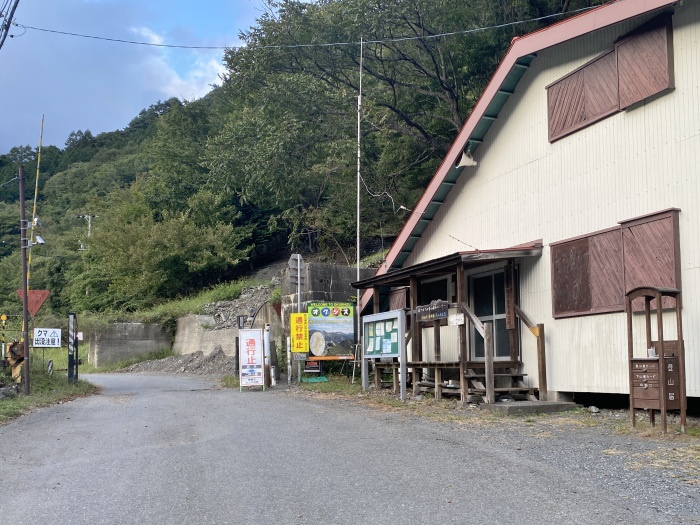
{"x":432,"y":312}
{"x":47,"y":338}
{"x":331,"y":330}
{"x":251,"y":357}
{"x":384,"y":336}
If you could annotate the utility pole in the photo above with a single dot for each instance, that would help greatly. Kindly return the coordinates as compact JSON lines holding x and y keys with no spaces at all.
{"x":5,"y":25}
{"x":25,"y":290}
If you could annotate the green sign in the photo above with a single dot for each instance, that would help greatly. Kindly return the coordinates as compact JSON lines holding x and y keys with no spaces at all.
{"x":331,"y":330}
{"x":383,"y":334}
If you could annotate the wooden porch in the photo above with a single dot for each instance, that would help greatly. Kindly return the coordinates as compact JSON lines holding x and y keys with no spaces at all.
{"x":452,"y":369}
{"x":487,"y":379}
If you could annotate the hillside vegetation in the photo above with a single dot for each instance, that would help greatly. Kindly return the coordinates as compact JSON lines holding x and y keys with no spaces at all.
{"x":193,"y":194}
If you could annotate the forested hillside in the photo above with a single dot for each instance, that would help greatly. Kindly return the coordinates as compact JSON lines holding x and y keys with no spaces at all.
{"x":191,"y":194}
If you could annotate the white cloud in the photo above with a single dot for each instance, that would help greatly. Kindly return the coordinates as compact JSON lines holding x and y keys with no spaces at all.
{"x":87,"y":83}
{"x":151,"y":36}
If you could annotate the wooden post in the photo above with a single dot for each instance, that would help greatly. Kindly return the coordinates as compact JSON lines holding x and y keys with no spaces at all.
{"x":681,"y":361}
{"x":488,"y":355}
{"x":461,"y":336}
{"x":630,"y":355}
{"x":662,"y":359}
{"x":541,"y":363}
{"x":416,"y":351}
{"x":438,"y":370}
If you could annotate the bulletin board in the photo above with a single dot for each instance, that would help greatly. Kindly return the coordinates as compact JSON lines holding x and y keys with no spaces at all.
{"x":383,"y":334}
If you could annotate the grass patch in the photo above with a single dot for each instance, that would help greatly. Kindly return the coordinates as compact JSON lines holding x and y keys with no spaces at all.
{"x":40,"y":358}
{"x":167,"y":313}
{"x":229,"y":381}
{"x":337,"y":384}
{"x":45,"y":390}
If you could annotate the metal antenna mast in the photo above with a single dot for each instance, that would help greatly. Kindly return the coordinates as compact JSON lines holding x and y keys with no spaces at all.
{"x":358,"y":349}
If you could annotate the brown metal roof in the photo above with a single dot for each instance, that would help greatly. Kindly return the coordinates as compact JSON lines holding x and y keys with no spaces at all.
{"x":447,"y":264}
{"x":517,"y":59}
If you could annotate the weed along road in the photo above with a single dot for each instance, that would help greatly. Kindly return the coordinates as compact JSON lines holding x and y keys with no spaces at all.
{"x":181,"y":450}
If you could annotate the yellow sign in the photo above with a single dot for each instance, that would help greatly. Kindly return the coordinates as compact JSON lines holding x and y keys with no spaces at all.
{"x":299,"y":332}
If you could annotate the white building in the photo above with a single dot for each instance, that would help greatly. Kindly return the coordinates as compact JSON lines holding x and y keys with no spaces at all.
{"x":587,"y":146}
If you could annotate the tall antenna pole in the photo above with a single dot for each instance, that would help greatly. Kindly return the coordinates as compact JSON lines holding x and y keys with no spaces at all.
{"x":359,"y":151}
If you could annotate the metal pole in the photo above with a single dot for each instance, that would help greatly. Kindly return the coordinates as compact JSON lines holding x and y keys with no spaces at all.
{"x":298,"y":307}
{"x":358,"y":329}
{"x":25,"y":291}
{"x":71,"y":348}
{"x":289,"y":360}
{"x":269,"y":369}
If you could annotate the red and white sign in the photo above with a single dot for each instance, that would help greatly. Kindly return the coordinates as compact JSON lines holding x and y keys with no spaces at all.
{"x":251,"y":357}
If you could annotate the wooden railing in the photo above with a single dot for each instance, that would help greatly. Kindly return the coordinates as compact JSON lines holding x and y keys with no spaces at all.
{"x":538,"y":332}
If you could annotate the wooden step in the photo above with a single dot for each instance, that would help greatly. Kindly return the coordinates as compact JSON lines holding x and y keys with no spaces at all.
{"x":511,"y":390}
{"x":481,"y":376}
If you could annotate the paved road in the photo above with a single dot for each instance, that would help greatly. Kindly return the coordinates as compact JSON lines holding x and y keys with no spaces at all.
{"x":178,"y":450}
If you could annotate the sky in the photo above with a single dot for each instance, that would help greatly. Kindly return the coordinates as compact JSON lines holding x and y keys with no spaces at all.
{"x":81,"y":83}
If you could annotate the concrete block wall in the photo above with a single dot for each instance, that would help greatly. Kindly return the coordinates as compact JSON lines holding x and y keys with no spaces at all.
{"x":122,"y":341}
{"x":321,"y":282}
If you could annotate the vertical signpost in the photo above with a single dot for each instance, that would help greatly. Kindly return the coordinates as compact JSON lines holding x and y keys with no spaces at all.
{"x":296,"y":277}
{"x":3,"y":318}
{"x":251,"y":358}
{"x":72,"y":348}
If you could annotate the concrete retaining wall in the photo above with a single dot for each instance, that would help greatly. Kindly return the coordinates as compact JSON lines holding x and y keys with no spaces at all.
{"x":122,"y":341}
{"x":321,"y":282}
{"x":194,"y":334}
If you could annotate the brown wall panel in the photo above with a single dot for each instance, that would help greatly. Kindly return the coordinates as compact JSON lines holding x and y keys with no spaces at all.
{"x":601,"y":86}
{"x":398,"y":298}
{"x":606,"y":270}
{"x":650,"y":258}
{"x":565,"y":102}
{"x":644,"y":65}
{"x":571,"y":277}
{"x":639,"y":66}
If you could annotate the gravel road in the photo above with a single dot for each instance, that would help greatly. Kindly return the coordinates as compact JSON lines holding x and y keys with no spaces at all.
{"x":177,"y":449}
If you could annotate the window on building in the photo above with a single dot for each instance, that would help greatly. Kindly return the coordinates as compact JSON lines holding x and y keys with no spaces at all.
{"x":638,"y":67}
{"x":591,"y":274}
{"x":488,"y":298}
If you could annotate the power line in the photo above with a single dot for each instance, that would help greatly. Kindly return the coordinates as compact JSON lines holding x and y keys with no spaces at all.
{"x":294,"y":46}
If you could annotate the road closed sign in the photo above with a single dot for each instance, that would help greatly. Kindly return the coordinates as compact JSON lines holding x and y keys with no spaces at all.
{"x":47,"y":338}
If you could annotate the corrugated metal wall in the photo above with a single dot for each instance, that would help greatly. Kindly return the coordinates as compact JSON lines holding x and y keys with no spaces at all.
{"x":636,"y":162}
